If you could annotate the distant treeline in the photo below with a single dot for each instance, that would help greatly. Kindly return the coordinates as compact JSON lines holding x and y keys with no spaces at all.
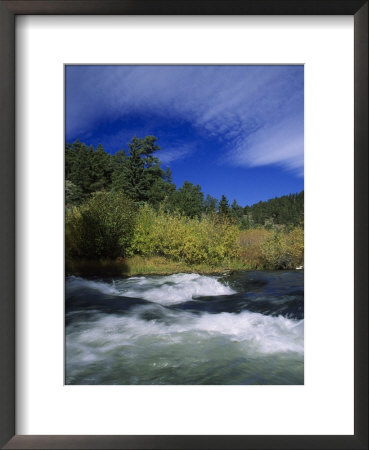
{"x":285,"y":210}
{"x":137,"y":173}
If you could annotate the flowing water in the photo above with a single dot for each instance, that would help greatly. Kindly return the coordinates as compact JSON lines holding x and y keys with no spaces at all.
{"x":242,"y":328}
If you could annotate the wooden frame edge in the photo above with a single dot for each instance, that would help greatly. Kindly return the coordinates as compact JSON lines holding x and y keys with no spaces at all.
{"x":8,"y":10}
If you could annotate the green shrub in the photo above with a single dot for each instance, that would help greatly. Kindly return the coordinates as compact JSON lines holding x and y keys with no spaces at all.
{"x":101,"y":227}
{"x":179,"y":238}
{"x":73,"y":194}
{"x":284,"y":250}
{"x":251,"y":243}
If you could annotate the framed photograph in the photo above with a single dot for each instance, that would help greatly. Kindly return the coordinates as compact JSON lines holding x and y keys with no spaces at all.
{"x":163,"y":168}
{"x":178,"y":284}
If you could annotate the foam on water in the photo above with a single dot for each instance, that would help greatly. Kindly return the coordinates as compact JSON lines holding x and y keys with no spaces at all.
{"x":155,"y":343}
{"x":165,"y":290}
{"x":264,"y":334}
{"x":74,"y":284}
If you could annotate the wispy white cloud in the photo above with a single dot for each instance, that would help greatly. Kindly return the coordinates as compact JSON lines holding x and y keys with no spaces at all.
{"x":171,"y":154}
{"x":279,"y":143}
{"x":255,"y":111}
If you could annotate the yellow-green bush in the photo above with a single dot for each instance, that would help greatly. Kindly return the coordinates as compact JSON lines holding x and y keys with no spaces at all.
{"x":73,"y":232}
{"x":272,"y":249}
{"x":284,"y":250}
{"x":101,"y":227}
{"x":295,"y":241}
{"x":180,"y":238}
{"x":251,"y":242}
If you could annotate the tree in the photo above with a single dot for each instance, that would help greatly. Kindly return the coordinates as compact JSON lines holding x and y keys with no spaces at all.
{"x":118,"y":163}
{"x":157,"y":192}
{"x":236,"y":211}
{"x":140,"y":171}
{"x":100,"y":169}
{"x":80,"y":165}
{"x":73,"y":194}
{"x":189,"y":200}
{"x":210,"y":205}
{"x":167,"y":177}
{"x":133,"y":171}
{"x":287,"y":210}
{"x":70,"y":154}
{"x":223,"y":207}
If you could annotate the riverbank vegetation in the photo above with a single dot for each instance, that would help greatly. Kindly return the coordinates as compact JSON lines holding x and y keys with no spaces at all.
{"x":124,"y":214}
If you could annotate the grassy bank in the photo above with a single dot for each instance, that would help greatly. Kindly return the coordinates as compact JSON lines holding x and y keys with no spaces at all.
{"x":138,"y":265}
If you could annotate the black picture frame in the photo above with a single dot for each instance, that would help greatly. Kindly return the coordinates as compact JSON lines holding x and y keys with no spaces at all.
{"x":8,"y":11}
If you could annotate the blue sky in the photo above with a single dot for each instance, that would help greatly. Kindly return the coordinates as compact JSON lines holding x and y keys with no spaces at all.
{"x":235,"y":130}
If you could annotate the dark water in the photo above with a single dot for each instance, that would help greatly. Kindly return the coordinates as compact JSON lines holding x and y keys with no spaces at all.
{"x":243,"y":328}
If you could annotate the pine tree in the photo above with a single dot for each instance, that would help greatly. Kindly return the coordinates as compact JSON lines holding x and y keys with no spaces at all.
{"x":118,"y":163}
{"x":138,"y":174}
{"x":287,"y":210}
{"x":167,"y":177}
{"x":73,"y":194}
{"x":70,"y":155}
{"x":236,"y":211}
{"x":189,"y":200}
{"x":223,"y":207}
{"x":100,"y":169}
{"x":81,"y":170}
{"x":210,"y":205}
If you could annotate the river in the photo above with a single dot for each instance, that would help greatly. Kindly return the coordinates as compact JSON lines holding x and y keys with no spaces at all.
{"x":246,"y":327}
